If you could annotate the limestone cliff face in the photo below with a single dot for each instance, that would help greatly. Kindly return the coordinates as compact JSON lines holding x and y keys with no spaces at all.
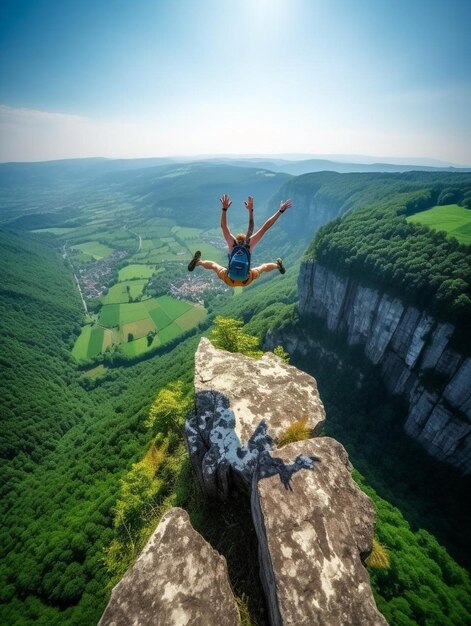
{"x":241,"y":408}
{"x":409,"y":347}
{"x":314,"y":525}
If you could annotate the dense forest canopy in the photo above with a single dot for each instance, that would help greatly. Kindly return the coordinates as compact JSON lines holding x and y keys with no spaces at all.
{"x":376,"y":245}
{"x":73,"y":446}
{"x":63,"y":447}
{"x":40,"y":309}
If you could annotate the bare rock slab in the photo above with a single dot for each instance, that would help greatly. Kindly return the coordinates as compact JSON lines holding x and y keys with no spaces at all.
{"x":178,"y":580}
{"x":315,"y":528}
{"x":242,"y":405}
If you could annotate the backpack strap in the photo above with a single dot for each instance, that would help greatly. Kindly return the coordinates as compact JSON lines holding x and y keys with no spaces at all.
{"x":246,"y":244}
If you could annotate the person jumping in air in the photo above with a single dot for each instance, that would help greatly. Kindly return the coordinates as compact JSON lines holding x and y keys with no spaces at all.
{"x":238,"y":273}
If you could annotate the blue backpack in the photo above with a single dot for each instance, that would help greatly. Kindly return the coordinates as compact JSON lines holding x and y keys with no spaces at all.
{"x":239,"y":262}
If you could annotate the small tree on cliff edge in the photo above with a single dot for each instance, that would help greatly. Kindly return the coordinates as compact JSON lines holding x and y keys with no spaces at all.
{"x":227,"y":334}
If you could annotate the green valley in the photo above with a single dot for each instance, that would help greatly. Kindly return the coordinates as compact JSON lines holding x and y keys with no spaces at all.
{"x":80,"y":453}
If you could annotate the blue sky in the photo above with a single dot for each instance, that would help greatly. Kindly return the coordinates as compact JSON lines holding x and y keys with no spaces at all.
{"x":123,"y":78}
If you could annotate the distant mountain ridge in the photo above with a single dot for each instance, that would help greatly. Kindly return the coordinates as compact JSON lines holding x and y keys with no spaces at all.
{"x":88,"y":169}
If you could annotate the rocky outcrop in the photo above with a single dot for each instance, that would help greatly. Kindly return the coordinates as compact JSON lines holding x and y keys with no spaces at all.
{"x":411,"y":349}
{"x":314,"y":525}
{"x":178,"y":579}
{"x":314,"y":533}
{"x":242,"y":406}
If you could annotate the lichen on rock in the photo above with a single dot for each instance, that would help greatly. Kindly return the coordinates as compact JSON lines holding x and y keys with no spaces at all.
{"x":242,"y":405}
{"x":314,"y":525}
{"x":315,"y":532}
{"x":178,"y":580}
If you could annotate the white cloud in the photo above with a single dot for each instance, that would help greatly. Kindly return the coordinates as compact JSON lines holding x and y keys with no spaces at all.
{"x":204,"y":128}
{"x":31,"y":135}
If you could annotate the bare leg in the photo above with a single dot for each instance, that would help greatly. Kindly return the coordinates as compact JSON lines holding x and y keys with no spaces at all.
{"x":210,"y":265}
{"x":266,"y":267}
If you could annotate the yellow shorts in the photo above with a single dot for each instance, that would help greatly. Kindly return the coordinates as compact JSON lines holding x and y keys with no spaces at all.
{"x":253,"y":274}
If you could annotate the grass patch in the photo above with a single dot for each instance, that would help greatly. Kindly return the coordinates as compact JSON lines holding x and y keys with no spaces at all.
{"x":147,"y":244}
{"x":55,"y":231}
{"x":169,"y":332}
{"x":187,"y":234}
{"x":161,"y":319}
{"x":453,"y":219}
{"x":191,"y":318}
{"x":132,"y":312}
{"x":297,"y":431}
{"x":133,"y":271}
{"x":137,"y":329}
{"x":107,"y":338}
{"x":109,"y":315}
{"x":80,"y":349}
{"x":91,"y":341}
{"x":139,"y":346}
{"x":178,"y":254}
{"x":95,"y":343}
{"x":96,"y":372}
{"x":94,"y":249}
{"x":211,"y":253}
{"x":174,"y":308}
{"x":119,"y":294}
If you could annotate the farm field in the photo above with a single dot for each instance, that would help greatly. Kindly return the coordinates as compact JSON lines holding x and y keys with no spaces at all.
{"x":96,"y":372}
{"x":133,"y":271}
{"x":186,"y":233}
{"x":128,"y":325}
{"x":132,"y":328}
{"x":55,"y":231}
{"x":139,"y":346}
{"x":453,"y":219}
{"x":92,"y":341}
{"x":209,"y":252}
{"x":94,"y":249}
{"x":121,"y":292}
{"x":109,"y":315}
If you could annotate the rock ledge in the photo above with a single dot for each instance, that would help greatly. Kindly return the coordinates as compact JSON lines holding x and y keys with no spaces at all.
{"x":178,"y":580}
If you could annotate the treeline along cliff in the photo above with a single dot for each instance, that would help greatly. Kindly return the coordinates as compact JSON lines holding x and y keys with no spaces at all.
{"x":400,"y":291}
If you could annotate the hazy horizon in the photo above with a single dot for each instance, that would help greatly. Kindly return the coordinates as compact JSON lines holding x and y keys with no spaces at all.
{"x":353,"y":159}
{"x":245,"y":77}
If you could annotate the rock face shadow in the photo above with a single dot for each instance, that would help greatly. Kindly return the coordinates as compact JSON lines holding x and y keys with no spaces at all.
{"x":313,"y":527}
{"x":270,"y":466}
{"x":223,"y":461}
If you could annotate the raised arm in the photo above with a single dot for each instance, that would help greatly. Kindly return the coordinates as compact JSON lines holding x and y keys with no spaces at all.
{"x":249,"y":205}
{"x":269,"y":223}
{"x":225,"y":204}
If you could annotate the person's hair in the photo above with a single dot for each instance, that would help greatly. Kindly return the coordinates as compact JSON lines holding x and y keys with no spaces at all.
{"x":241,"y":237}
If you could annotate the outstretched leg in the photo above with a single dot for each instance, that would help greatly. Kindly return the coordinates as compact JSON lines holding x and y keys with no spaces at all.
{"x":207,"y":265}
{"x":194,"y":261}
{"x":269,"y":267}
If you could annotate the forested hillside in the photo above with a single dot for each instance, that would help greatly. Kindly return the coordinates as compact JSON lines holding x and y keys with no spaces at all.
{"x":73,"y":445}
{"x":63,"y":448}
{"x":377,"y":246}
{"x":40,"y":311}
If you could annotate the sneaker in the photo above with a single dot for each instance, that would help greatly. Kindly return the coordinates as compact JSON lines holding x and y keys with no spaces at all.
{"x":280,"y":266}
{"x":192,"y":263}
